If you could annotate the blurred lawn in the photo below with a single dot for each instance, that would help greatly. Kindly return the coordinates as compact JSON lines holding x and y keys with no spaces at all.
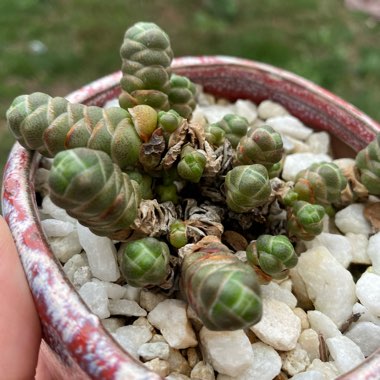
{"x":56,"y":46}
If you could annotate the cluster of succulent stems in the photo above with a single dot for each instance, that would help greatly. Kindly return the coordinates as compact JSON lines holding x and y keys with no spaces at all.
{"x":107,"y":161}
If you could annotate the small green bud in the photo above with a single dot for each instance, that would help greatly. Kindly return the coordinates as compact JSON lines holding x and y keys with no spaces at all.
{"x":234,"y":126}
{"x":305,"y":220}
{"x":214,"y":134}
{"x":177,"y":234}
{"x":275,"y":255}
{"x":145,"y":183}
{"x":247,"y":187}
{"x":169,"y":121}
{"x":167,"y":193}
{"x":192,"y":164}
{"x":368,"y":162}
{"x":145,"y":262}
{"x":182,"y":95}
{"x":260,"y":146}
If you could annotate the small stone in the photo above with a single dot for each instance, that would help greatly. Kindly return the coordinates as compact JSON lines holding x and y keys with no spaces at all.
{"x":81,"y":276}
{"x":299,"y":289}
{"x":279,"y":327}
{"x":365,"y":314}
{"x":56,"y":228}
{"x":327,"y":369}
{"x":319,"y":142}
{"x":275,"y":291}
{"x":245,"y":108}
{"x":366,"y":335}
{"x":192,"y":356}
{"x":298,"y":146}
{"x":229,"y":352}
{"x":308,"y":375}
{"x":101,"y":254}
{"x":301,"y":314}
{"x":113,"y":323}
{"x":345,"y":352}
{"x":338,"y":245}
{"x":132,"y":293}
{"x":149,"y":300}
{"x":265,"y":365}
{"x":368,"y":292}
{"x":177,"y":363}
{"x":215,"y":112}
{"x":149,"y":351}
{"x":114,"y":291}
{"x":329,"y":285}
{"x":73,"y":264}
{"x":48,"y":207}
{"x":170,"y":318}
{"x":351,"y":219}
{"x":131,"y":338}
{"x":268,"y":109}
{"x":176,"y":376}
{"x":309,"y":341}
{"x":95,"y":297}
{"x":196,"y":322}
{"x":143,"y":321}
{"x":295,"y":361}
{"x":157,"y":338}
{"x":373,"y":252}
{"x":290,"y":126}
{"x":161,"y":367}
{"x":126,"y":307}
{"x":296,"y":162}
{"x":64,"y":248}
{"x":322,"y":324}
{"x":202,"y":371}
{"x":359,"y":244}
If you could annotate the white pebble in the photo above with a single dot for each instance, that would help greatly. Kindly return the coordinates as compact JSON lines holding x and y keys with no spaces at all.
{"x":322,"y":324}
{"x":48,"y":207}
{"x":159,"y":366}
{"x":279,"y":326}
{"x":95,"y":297}
{"x":308,"y":375}
{"x":73,"y":264}
{"x":365,"y":314}
{"x":268,"y":109}
{"x":345,"y":352}
{"x":275,"y":291}
{"x":295,"y":361}
{"x":309,"y":341}
{"x":131,"y":338}
{"x":114,"y":291}
{"x":368,"y":292}
{"x":265,"y":365}
{"x":54,"y":227}
{"x":149,"y":300}
{"x":101,"y":254}
{"x":202,"y":371}
{"x":176,"y":376}
{"x":351,"y":219}
{"x":298,"y":146}
{"x":289,"y":126}
{"x":229,"y":352}
{"x":329,"y":285}
{"x":171,"y":319}
{"x":126,"y":307}
{"x":338,"y":245}
{"x":373,"y":252}
{"x":301,"y":314}
{"x":319,"y":142}
{"x":327,"y":369}
{"x":366,"y":335}
{"x":64,"y":248}
{"x":81,"y":276}
{"x":359,"y":244}
{"x":215,"y":112}
{"x":247,"y":109}
{"x":132,"y":293}
{"x":296,"y":162}
{"x":112,"y":324}
{"x":149,"y":351}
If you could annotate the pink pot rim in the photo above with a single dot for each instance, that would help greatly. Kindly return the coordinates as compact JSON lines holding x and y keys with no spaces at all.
{"x":82,"y":334}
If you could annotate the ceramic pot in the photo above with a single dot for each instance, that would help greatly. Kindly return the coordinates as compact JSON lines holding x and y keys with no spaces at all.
{"x":77,"y":345}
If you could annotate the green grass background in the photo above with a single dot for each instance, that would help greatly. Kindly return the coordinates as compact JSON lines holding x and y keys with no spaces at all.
{"x":318,"y":39}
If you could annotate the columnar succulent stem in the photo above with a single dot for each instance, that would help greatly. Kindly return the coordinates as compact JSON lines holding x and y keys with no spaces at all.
{"x":222,"y":289}
{"x":50,"y":125}
{"x":94,"y":190}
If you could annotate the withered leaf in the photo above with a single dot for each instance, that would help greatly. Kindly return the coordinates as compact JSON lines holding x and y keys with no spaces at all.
{"x":372,"y":214}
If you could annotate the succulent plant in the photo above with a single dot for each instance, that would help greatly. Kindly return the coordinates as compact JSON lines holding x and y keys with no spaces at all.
{"x":169,"y":121}
{"x":145,"y":262}
{"x":182,"y":95}
{"x":368,"y":162}
{"x":91,"y":188}
{"x":145,"y":182}
{"x":274,"y":255}
{"x":247,"y":187}
{"x":214,"y":134}
{"x":305,"y":220}
{"x":222,"y":290}
{"x":262,"y":145}
{"x":234,"y":126}
{"x":146,"y":57}
{"x":321,"y":183}
{"x":50,"y":125}
{"x":192,"y":164}
{"x":177,"y":234}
